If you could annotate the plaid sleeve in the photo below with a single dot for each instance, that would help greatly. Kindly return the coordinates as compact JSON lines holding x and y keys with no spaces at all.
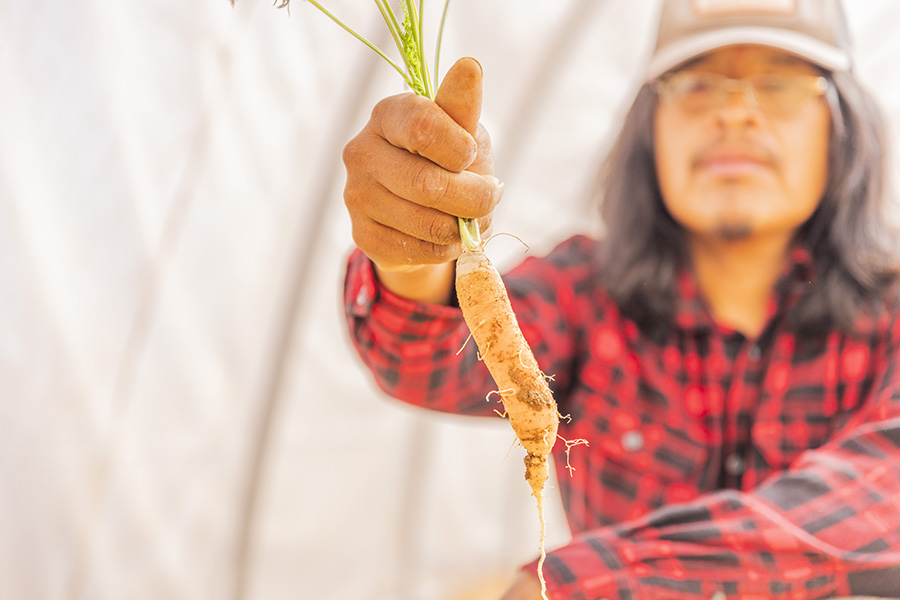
{"x":828,"y":526}
{"x":419,"y":353}
{"x":412,"y":348}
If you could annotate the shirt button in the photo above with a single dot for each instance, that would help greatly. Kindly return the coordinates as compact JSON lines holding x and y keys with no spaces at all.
{"x":734,"y":465}
{"x":632,"y":441}
{"x":755,"y":352}
{"x":362,"y":296}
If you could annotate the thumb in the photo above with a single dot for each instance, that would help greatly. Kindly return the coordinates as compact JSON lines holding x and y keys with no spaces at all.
{"x":460,"y":93}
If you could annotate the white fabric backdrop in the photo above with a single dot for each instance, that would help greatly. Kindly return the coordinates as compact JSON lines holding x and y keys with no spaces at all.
{"x":182,"y":414}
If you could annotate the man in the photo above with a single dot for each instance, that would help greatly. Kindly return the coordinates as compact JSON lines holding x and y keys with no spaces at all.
{"x":729,"y":348}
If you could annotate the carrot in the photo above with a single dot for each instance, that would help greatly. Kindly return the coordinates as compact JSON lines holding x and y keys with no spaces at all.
{"x":523,"y":388}
{"x":485,"y":305}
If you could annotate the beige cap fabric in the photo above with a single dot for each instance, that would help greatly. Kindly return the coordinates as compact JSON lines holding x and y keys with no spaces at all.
{"x":814,"y":29}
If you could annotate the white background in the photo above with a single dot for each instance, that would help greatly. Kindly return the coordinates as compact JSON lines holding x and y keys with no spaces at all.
{"x":181,"y":414}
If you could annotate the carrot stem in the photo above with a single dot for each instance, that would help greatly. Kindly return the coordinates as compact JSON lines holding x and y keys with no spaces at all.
{"x":468,"y":231}
{"x":352,"y":32}
{"x":440,"y":37}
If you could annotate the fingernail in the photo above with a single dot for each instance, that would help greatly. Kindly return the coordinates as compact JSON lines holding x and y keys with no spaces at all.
{"x":498,"y":186}
{"x":474,"y":60}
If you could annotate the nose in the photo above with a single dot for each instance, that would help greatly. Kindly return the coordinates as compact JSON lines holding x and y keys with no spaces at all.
{"x":739,"y":104}
{"x":741,"y":89}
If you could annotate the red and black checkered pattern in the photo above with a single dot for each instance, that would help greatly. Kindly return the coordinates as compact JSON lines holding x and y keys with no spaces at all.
{"x":718,"y":466}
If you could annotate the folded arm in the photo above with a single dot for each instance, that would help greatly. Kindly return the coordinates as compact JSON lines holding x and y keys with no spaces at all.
{"x":829,"y":525}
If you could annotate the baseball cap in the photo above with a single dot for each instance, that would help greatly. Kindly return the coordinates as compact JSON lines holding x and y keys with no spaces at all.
{"x":813,"y":29}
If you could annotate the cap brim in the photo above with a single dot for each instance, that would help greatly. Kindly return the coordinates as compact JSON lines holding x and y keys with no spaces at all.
{"x":816,"y":51}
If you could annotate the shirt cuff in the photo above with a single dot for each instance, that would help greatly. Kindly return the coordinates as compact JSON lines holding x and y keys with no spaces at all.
{"x":365,"y":296}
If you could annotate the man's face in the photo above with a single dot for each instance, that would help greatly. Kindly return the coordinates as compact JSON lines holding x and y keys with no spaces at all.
{"x":736,"y":170}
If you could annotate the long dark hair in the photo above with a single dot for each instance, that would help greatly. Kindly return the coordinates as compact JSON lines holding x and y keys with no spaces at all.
{"x":849,"y":235}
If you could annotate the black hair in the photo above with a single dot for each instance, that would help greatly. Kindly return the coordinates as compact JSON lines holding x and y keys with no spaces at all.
{"x":851,"y":240}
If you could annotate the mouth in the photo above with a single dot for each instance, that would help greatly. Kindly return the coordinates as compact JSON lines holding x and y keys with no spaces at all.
{"x":734,"y":162}
{"x":732,"y":166}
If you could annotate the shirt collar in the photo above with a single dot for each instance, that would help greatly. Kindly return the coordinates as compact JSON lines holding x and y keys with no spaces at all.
{"x":797,"y":274}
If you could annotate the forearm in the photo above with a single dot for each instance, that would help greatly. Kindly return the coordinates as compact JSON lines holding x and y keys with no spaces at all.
{"x":828,"y":526}
{"x":417,"y":352}
{"x":747,"y":553}
{"x":420,"y":352}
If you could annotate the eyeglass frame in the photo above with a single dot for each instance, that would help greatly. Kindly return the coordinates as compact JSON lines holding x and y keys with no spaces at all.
{"x":818,"y":85}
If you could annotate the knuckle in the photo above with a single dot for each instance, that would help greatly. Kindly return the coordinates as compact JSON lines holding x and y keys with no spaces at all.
{"x":352,"y":154}
{"x":442,"y":230}
{"x":430,"y":183}
{"x":353,"y":197}
{"x":361,"y":237}
{"x":422,"y":130}
{"x":382,"y":108}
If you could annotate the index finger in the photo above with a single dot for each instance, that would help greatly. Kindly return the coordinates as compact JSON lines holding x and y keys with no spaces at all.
{"x":421,"y":127}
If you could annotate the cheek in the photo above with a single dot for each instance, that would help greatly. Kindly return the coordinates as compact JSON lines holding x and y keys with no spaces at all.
{"x":674,"y":143}
{"x":671,"y":155}
{"x":806,"y":152}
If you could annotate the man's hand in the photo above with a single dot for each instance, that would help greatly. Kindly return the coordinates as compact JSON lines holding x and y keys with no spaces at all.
{"x":415,"y":167}
{"x":525,"y":587}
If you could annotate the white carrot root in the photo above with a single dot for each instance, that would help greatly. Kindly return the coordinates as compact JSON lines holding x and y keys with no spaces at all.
{"x":569,"y":444}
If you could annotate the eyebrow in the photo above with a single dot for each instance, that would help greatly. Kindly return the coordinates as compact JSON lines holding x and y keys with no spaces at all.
{"x":690,"y":63}
{"x":787,"y":59}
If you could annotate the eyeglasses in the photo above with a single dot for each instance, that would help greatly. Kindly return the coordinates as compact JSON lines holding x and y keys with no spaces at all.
{"x":696,"y":91}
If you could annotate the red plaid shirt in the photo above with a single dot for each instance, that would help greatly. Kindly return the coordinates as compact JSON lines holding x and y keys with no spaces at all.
{"x":718,"y":466}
